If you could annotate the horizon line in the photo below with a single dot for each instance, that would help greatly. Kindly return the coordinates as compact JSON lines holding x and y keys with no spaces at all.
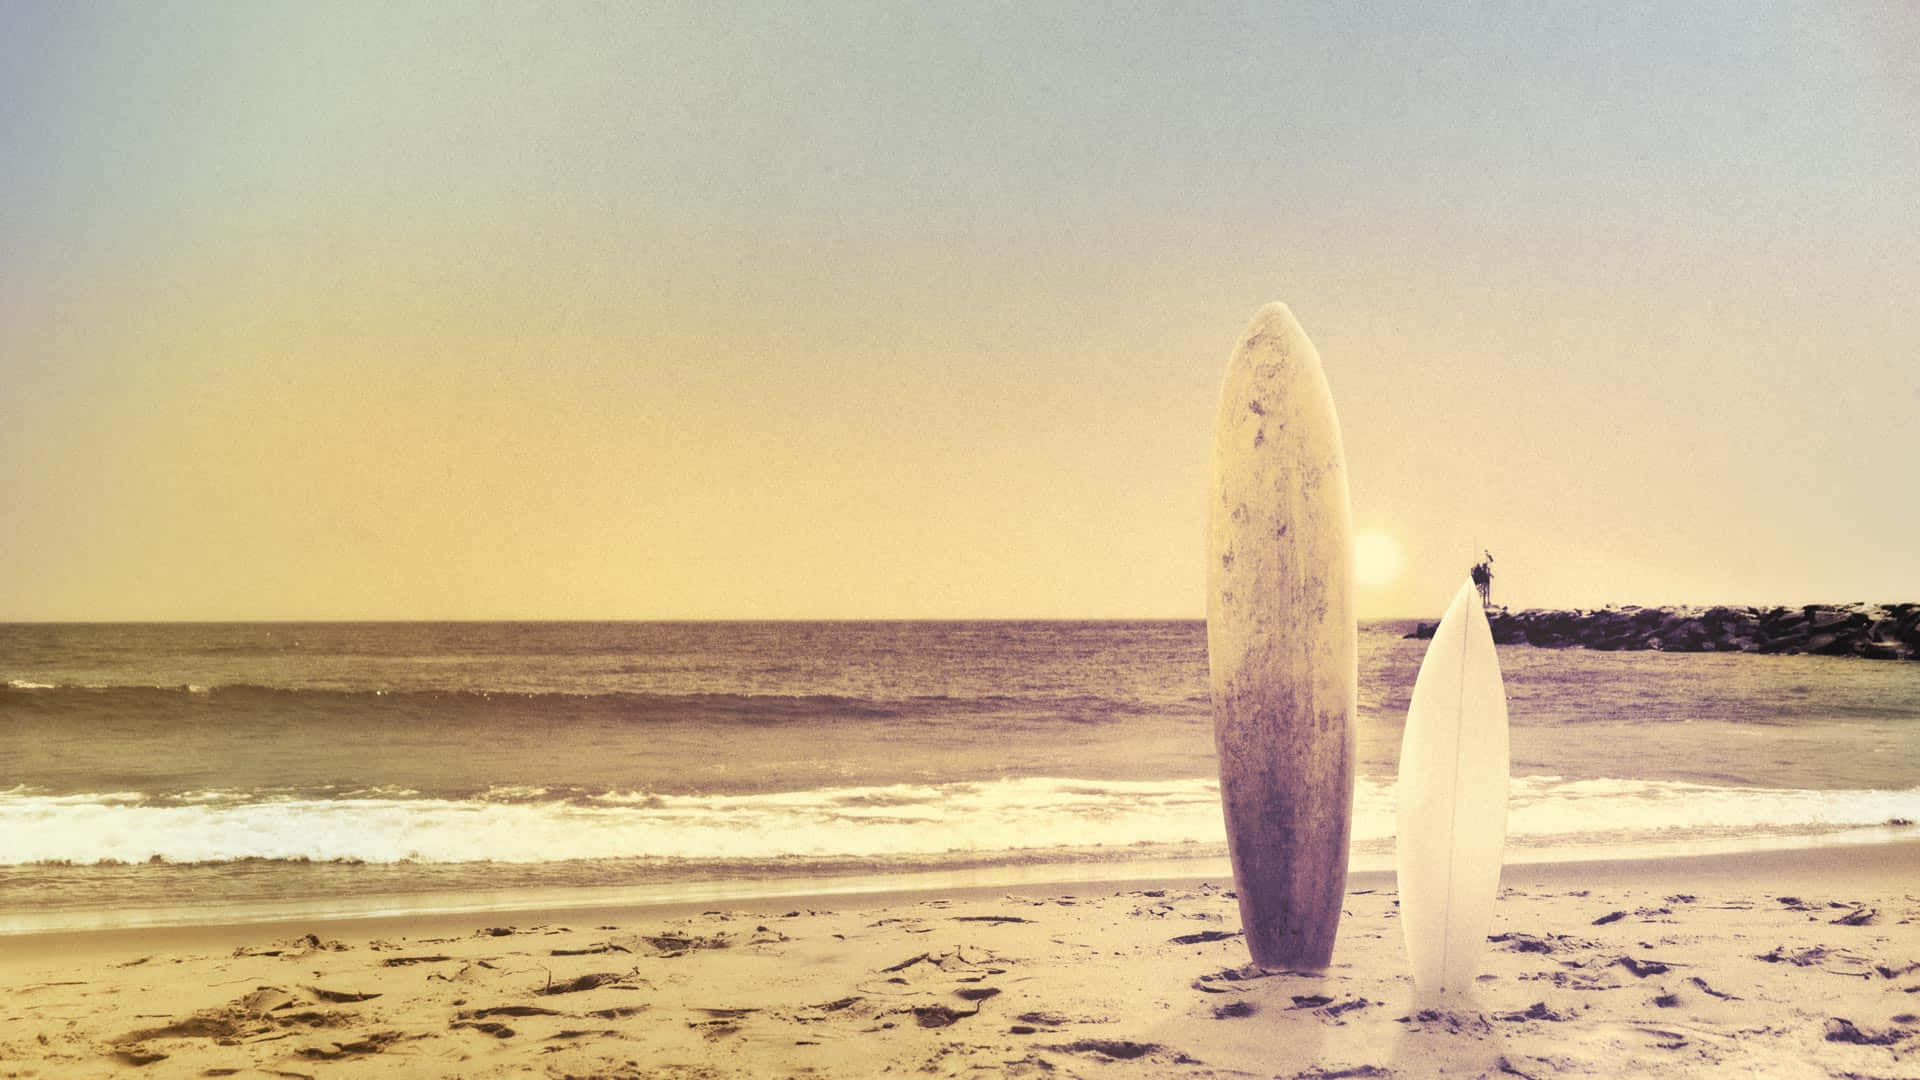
{"x":761,"y":619}
{"x":342,"y":621}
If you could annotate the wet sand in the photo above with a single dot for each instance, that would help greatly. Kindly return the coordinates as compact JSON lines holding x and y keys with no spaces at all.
{"x":1782,"y":964}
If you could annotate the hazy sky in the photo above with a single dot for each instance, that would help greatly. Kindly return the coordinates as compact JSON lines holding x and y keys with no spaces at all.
{"x":325,"y":311}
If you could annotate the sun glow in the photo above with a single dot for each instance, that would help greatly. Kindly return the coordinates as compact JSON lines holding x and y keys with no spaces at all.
{"x":1377,"y":560}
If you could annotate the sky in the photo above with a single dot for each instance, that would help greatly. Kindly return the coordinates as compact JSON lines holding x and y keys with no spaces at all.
{"x":920,"y":311}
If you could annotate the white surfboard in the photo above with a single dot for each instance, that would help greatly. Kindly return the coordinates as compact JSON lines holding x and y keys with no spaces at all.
{"x":1452,"y":799}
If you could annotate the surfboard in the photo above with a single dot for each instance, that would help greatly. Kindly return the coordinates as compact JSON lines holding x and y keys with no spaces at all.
{"x":1451,"y":799}
{"x":1280,"y":641}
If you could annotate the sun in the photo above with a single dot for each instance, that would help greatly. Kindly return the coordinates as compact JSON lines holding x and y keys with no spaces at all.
{"x":1376,"y":559}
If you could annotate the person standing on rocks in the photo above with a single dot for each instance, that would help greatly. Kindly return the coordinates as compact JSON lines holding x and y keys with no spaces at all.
{"x":1483,"y":578}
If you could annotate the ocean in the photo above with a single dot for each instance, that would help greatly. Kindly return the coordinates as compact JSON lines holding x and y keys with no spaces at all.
{"x":187,"y":772}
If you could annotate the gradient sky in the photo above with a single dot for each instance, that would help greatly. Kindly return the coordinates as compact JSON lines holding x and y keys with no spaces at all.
{"x":320,"y":311}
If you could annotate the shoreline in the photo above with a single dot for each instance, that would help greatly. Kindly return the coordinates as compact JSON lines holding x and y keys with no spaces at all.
{"x":1092,"y":865}
{"x":1801,"y":963}
{"x":1169,"y":862}
{"x":1803,"y":866}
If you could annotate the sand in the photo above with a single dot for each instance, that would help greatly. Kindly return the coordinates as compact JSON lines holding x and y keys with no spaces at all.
{"x":1786,"y":964}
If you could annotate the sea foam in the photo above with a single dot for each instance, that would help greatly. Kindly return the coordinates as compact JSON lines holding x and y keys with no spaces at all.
{"x":903,"y":820}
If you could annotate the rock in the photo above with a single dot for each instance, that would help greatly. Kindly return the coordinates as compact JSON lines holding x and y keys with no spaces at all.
{"x":1780,"y":619}
{"x":1553,"y":630}
{"x":1685,"y":637}
{"x":1717,"y":615}
{"x":1876,"y":632}
{"x":1792,"y":641}
{"x":1822,"y":618}
{"x":1829,"y":644}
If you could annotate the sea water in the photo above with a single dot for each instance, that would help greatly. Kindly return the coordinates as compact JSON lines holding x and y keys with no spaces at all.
{"x":177,"y":772}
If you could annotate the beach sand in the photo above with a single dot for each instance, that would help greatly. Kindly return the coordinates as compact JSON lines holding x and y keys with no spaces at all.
{"x":1780,"y":964}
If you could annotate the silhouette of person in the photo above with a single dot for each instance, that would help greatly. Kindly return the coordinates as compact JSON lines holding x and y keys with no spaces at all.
{"x":1483,"y":578}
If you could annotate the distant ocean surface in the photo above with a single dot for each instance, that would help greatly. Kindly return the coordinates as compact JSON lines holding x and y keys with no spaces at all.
{"x":185,"y":772}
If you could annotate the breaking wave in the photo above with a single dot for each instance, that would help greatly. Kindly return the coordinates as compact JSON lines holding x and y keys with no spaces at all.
{"x":902,"y":821}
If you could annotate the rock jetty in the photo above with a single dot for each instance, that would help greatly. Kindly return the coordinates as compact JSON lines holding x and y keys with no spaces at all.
{"x":1873,"y":631}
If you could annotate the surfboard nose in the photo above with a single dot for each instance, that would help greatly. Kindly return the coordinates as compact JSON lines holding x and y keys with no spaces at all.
{"x":1275,"y":337}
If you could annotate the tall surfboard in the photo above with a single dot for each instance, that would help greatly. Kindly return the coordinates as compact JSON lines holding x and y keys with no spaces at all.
{"x":1452,"y":799}
{"x":1280,"y":641}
